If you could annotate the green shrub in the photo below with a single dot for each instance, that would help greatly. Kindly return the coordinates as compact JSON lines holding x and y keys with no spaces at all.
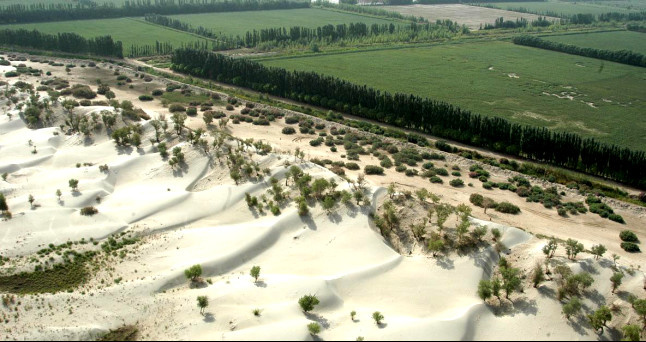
{"x":616,"y":218}
{"x":373,"y":170}
{"x":89,"y":211}
{"x":11,"y":74}
{"x":176,"y":107}
{"x":476,"y":199}
{"x":630,"y":247}
{"x":145,"y":98}
{"x":436,"y":179}
{"x":192,"y":111}
{"x":628,"y":236}
{"x":457,"y":182}
{"x":352,"y":166}
{"x":442,"y":172}
{"x":288,"y":130}
{"x":157,"y":92}
{"x":507,"y":208}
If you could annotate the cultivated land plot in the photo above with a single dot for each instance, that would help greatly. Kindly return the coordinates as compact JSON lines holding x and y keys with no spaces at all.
{"x":594,"y":98}
{"x":47,"y":2}
{"x":238,"y":23}
{"x":127,"y":30}
{"x":619,"y":40}
{"x":471,"y":16}
{"x":570,"y":8}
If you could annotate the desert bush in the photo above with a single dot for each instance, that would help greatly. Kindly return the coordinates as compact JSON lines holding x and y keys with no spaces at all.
{"x":89,"y":211}
{"x":628,"y":236}
{"x":457,"y":182}
{"x":507,"y":208}
{"x":308,"y":302}
{"x":192,"y":111}
{"x":373,"y":170}
{"x":176,"y":107}
{"x":157,"y":92}
{"x":288,"y":130}
{"x":630,"y":247}
{"x":145,"y":98}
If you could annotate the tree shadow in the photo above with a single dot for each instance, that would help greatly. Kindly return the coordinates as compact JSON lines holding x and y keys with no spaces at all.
{"x":445,"y":262}
{"x":596,"y":297}
{"x":624,"y":295}
{"x":587,"y":266}
{"x":605,"y":263}
{"x":309,"y":221}
{"x":611,"y":334}
{"x":382,"y":325}
{"x":260,"y":283}
{"x":208,"y":318}
{"x":335,"y":217}
{"x":520,"y":305}
{"x":318,"y":318}
{"x":197,"y":284}
{"x":578,"y":325}
{"x":547,"y":292}
{"x":123,"y":149}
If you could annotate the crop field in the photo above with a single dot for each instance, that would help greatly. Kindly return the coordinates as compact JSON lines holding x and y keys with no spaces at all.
{"x":34,"y":2}
{"x":618,"y":40}
{"x":594,"y":98}
{"x":570,"y":8}
{"x":129,"y":31}
{"x":471,"y":16}
{"x":238,"y":23}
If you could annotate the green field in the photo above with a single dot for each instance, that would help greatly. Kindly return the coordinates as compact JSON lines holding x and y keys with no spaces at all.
{"x":238,"y":23}
{"x":129,"y":31}
{"x":502,"y":79}
{"x":618,"y":40}
{"x":570,"y":8}
{"x":34,"y":2}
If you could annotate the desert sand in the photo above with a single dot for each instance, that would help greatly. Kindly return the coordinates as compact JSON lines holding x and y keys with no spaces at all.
{"x":196,"y":214}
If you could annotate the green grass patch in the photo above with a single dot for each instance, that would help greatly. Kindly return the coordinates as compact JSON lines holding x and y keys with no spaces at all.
{"x":238,"y":23}
{"x":593,"y":98}
{"x":124,"y":333}
{"x":570,"y":8}
{"x":614,"y":41}
{"x":61,"y":277}
{"x":129,"y":31}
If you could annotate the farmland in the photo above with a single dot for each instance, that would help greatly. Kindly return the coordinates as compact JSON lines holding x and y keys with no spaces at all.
{"x":618,"y":40}
{"x":471,"y":16}
{"x":129,"y":31}
{"x":525,"y":85}
{"x":238,"y":23}
{"x":571,"y":8}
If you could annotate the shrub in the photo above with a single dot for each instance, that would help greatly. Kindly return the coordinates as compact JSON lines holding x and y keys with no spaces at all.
{"x":630,"y":247}
{"x":289,"y":130}
{"x":457,"y":182}
{"x":314,"y":328}
{"x":373,"y":170}
{"x":308,"y":302}
{"x":83,"y":91}
{"x":229,"y":107}
{"x":507,"y":208}
{"x":145,"y":98}
{"x":628,"y":236}
{"x":616,"y":218}
{"x":401,"y":168}
{"x":487,"y":185}
{"x":158,"y":92}
{"x":176,"y":107}
{"x":456,"y":173}
{"x":193,"y":272}
{"x":192,"y":111}
{"x":352,"y":166}
{"x":291,"y":120}
{"x":89,"y":211}
{"x":11,"y":74}
{"x":442,"y":172}
{"x":476,"y":199}
{"x":436,"y":179}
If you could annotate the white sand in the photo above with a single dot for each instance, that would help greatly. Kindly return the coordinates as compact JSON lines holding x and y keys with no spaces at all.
{"x":199,"y":216}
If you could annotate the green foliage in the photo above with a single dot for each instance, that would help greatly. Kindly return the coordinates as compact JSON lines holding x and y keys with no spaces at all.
{"x":631,"y":332}
{"x":507,"y":208}
{"x":373,"y":170}
{"x":3,"y":203}
{"x":572,"y":248}
{"x":308,"y":302}
{"x":456,"y":182}
{"x":314,"y":328}
{"x":630,"y":247}
{"x":572,"y":307}
{"x":484,"y":289}
{"x":74,"y":184}
{"x":550,"y":248}
{"x":378,"y":317}
{"x":598,"y":250}
{"x":255,"y":272}
{"x":202,"y":303}
{"x":89,"y":211}
{"x":615,"y":279}
{"x":599,"y":318}
{"x":538,"y":276}
{"x":193,"y":273}
{"x":510,"y":280}
{"x":628,"y":236}
{"x":124,"y":333}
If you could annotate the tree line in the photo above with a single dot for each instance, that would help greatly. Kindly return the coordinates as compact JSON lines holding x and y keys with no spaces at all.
{"x":426,"y":115}
{"x":60,"y":12}
{"x":522,"y":22}
{"x":376,"y":11}
{"x":636,"y":27}
{"x":64,"y":42}
{"x":620,"y":56}
{"x":304,"y":35}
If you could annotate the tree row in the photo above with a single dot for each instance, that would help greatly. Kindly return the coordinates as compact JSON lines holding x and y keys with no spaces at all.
{"x":64,"y":42}
{"x":322,"y":34}
{"x":60,"y":12}
{"x":620,"y":56}
{"x":423,"y":114}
